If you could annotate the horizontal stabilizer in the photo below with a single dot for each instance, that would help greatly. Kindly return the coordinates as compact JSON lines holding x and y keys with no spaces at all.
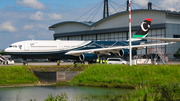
{"x":163,"y":39}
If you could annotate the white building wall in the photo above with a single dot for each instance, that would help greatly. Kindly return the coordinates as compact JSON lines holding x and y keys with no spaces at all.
{"x":118,"y":20}
{"x":139,"y":16}
{"x":121,"y":20}
{"x":71,"y":27}
{"x":113,"y":22}
{"x":172,"y":19}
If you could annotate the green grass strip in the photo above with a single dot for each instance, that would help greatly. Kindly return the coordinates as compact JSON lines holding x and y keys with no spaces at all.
{"x":16,"y":75}
{"x":129,"y":75}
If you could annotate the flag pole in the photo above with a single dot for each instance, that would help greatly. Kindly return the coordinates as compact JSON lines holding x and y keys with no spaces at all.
{"x":130,"y":49}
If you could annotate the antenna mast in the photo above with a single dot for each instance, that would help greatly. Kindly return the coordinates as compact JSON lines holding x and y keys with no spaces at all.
{"x":106,"y":9}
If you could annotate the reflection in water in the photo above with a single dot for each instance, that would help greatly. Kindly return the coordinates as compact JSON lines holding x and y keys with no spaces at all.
{"x":41,"y":93}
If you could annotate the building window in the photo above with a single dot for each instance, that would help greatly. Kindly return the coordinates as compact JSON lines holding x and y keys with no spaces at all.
{"x":62,"y":38}
{"x":176,"y":36}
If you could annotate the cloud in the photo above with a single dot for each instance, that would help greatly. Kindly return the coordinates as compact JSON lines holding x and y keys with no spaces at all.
{"x":55,"y":16}
{"x":31,"y":3}
{"x":30,"y":36}
{"x":141,"y":2}
{"x":42,"y":26}
{"x":28,"y":27}
{"x":45,"y":34}
{"x":37,"y":17}
{"x":40,"y":16}
{"x":171,"y":4}
{"x":7,"y":26}
{"x":17,"y":36}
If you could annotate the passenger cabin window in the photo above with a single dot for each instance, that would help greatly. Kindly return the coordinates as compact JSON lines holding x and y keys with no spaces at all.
{"x":44,"y":46}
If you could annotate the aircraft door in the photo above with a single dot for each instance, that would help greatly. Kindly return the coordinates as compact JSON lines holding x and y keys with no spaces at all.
{"x":61,"y":46}
{"x":26,"y":47}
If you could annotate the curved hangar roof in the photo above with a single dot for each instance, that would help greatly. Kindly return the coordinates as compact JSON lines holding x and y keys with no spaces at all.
{"x":116,"y":20}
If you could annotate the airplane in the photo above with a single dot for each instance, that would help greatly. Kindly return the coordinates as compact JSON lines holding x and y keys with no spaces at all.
{"x":84,"y":50}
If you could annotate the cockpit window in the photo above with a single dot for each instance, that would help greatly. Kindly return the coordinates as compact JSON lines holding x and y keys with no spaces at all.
{"x":12,"y":46}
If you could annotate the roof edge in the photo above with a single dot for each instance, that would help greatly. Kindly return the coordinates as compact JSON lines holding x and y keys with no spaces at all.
{"x":90,"y":24}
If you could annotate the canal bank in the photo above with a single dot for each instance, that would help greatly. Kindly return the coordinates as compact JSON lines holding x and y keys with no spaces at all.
{"x":95,"y":75}
{"x":136,"y":75}
{"x":150,"y":82}
{"x":143,"y":78}
{"x":55,"y":77}
{"x":36,"y":75}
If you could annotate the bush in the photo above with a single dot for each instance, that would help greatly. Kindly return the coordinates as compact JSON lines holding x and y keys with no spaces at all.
{"x":62,"y":97}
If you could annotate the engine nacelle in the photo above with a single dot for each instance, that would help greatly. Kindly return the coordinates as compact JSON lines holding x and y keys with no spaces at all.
{"x":125,"y":52}
{"x":87,"y":56}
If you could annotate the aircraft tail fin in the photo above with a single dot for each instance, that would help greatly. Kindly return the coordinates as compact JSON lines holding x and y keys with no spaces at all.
{"x":144,"y":29}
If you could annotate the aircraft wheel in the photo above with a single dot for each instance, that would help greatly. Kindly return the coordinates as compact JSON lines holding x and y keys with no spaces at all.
{"x":25,"y":63}
{"x":89,"y":62}
{"x":5,"y":63}
{"x":74,"y":62}
{"x":82,"y":62}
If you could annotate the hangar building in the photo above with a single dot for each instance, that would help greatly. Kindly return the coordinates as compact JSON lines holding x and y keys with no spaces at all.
{"x":116,"y":28}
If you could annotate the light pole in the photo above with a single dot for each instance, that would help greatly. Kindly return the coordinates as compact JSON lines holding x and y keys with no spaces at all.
{"x":130,"y":49}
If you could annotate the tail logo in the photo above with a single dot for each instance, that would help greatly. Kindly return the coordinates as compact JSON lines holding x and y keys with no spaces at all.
{"x":145,"y":26}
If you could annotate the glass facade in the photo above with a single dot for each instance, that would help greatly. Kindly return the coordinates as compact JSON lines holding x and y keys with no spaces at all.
{"x":157,"y":33}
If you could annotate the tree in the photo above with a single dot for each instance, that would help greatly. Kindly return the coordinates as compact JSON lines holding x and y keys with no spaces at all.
{"x":177,"y":53}
{"x":3,"y":53}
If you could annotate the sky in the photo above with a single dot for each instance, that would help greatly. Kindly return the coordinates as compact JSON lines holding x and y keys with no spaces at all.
{"x":29,"y":19}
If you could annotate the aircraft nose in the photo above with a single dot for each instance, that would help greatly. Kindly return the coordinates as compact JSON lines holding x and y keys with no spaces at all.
{"x":6,"y":50}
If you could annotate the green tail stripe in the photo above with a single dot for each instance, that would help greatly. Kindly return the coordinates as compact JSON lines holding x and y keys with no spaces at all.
{"x":140,"y":36}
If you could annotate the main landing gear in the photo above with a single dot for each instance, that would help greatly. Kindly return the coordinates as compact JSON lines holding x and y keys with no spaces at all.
{"x":92,"y":61}
{"x":81,"y":62}
{"x":25,"y":62}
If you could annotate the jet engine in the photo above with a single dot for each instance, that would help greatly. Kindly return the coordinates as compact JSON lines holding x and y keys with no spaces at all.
{"x":87,"y":56}
{"x":125,"y":52}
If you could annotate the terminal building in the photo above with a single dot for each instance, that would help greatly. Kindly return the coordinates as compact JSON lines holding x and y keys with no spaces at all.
{"x":115,"y":27}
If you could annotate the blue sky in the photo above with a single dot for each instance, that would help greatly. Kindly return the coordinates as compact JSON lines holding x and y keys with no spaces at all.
{"x":29,"y":19}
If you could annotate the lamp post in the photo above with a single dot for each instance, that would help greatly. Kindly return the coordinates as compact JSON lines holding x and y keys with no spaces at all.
{"x":130,"y":49}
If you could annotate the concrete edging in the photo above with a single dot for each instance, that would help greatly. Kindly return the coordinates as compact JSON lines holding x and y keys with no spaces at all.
{"x":56,"y":76}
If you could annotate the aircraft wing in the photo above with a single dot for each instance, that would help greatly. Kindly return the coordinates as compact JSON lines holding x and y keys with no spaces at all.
{"x":111,"y":49}
{"x":163,"y":39}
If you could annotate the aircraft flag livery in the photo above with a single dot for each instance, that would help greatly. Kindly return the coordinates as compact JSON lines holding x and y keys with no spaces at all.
{"x":144,"y":29}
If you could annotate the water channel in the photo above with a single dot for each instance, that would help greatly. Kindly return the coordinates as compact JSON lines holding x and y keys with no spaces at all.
{"x":73,"y":92}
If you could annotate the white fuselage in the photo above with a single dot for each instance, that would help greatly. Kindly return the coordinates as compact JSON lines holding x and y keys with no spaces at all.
{"x":44,"y":46}
{"x":42,"y":49}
